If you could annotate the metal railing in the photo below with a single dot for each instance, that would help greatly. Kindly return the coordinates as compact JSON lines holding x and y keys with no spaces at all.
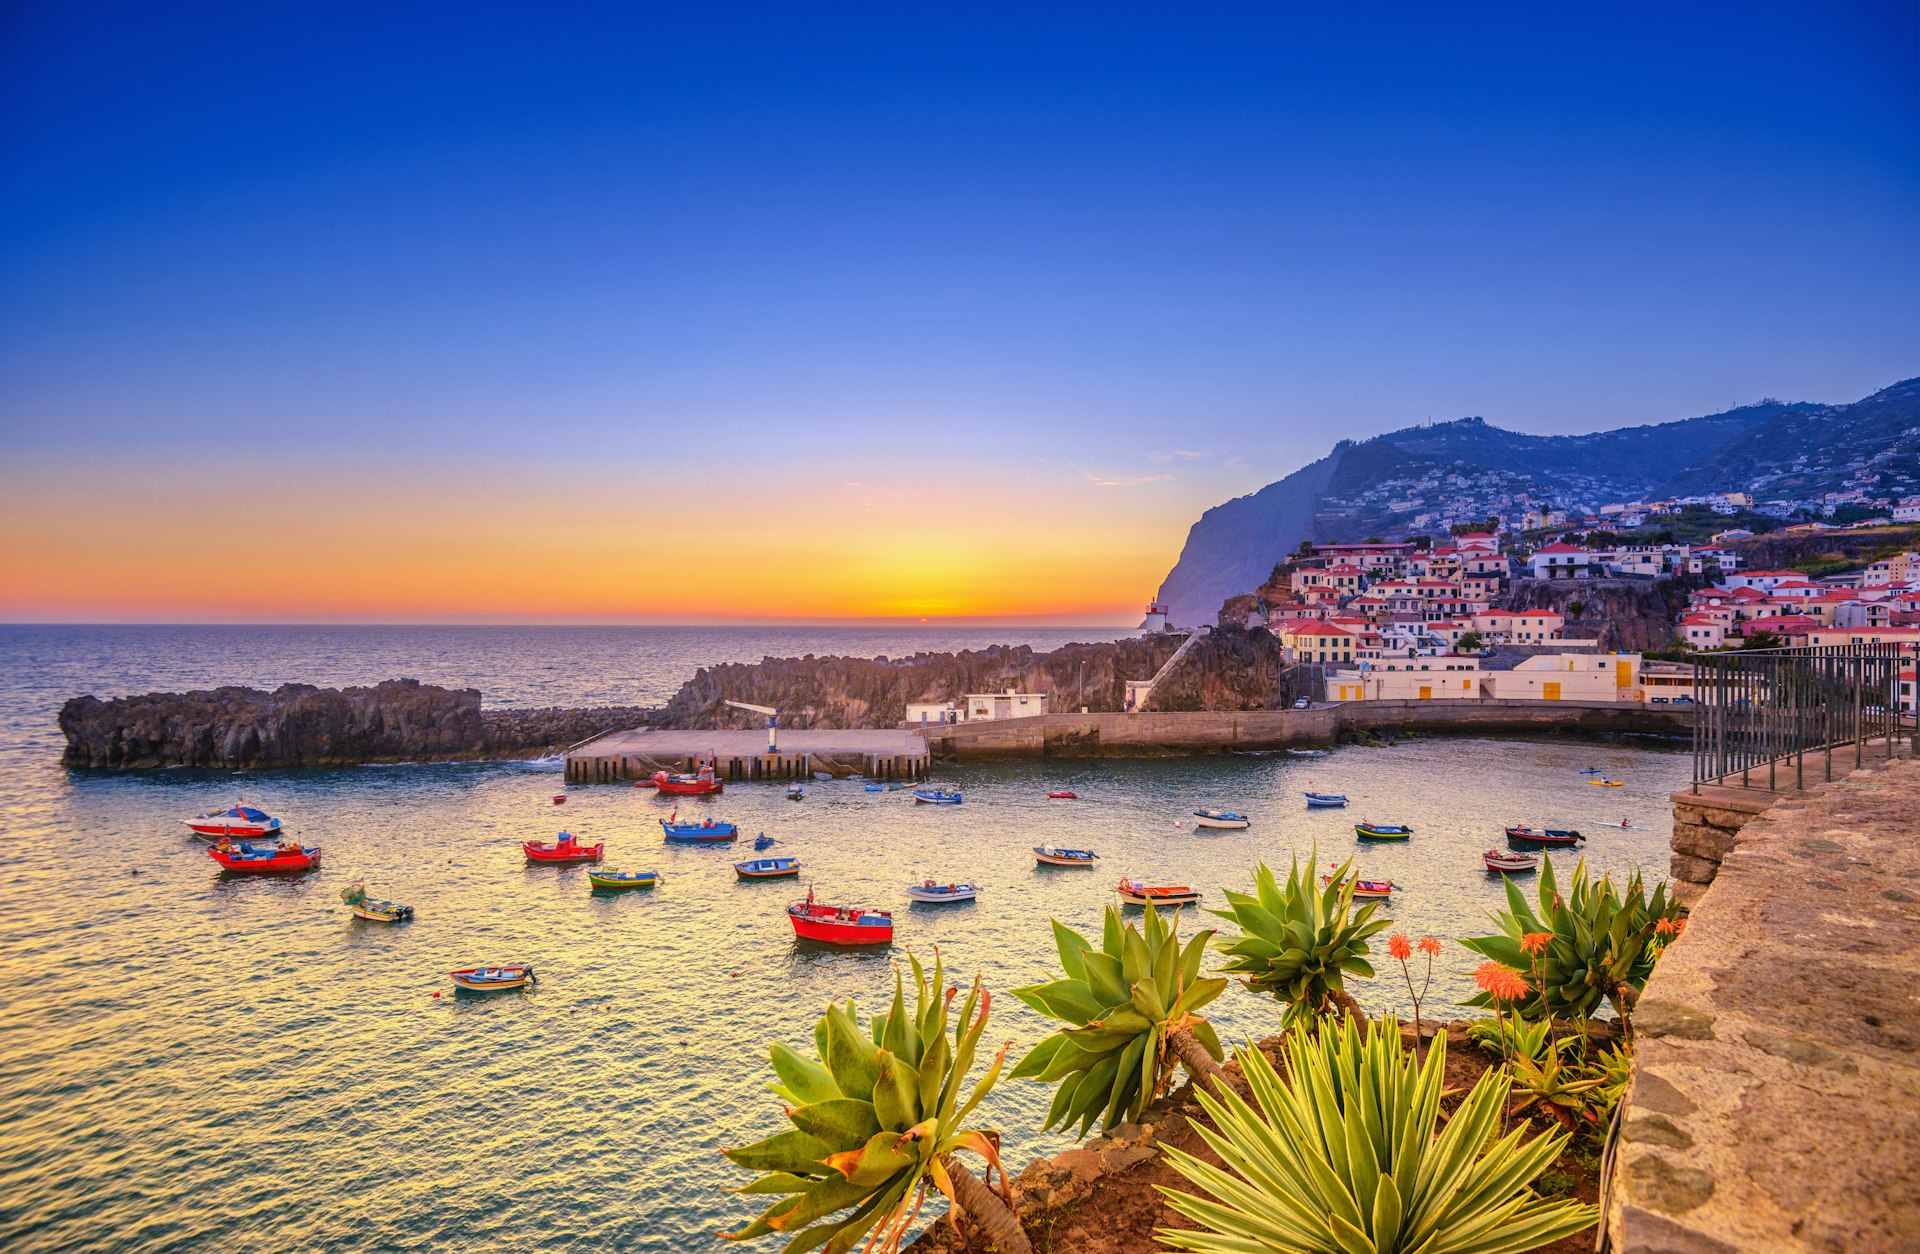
{"x":1760,"y":715}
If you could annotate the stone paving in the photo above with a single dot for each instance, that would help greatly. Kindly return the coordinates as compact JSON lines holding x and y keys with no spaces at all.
{"x":1776,"y":1098}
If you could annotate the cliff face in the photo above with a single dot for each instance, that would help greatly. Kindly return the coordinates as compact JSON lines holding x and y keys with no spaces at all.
{"x":1627,"y":614}
{"x":1233,"y":668}
{"x":845,"y":692}
{"x":295,"y":725}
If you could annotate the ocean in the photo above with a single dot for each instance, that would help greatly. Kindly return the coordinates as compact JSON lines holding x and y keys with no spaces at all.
{"x":188,"y":1062}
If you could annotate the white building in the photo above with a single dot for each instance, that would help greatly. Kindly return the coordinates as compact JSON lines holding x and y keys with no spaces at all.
{"x":978,"y":707}
{"x":1561,"y":561}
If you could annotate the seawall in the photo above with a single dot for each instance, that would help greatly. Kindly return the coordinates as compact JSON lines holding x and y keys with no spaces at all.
{"x":1150,"y":733}
{"x":1775,"y":1102}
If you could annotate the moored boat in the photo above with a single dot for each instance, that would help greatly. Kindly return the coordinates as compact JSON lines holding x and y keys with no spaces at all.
{"x":616,"y":881}
{"x":1063,"y":794}
{"x":767,"y":868}
{"x":796,"y":793}
{"x":705,"y":832}
{"x":1051,"y":855}
{"x":234,"y":821}
{"x":1510,"y":863}
{"x":1606,"y":783}
{"x":764,"y":841}
{"x":699,"y":784}
{"x":1382,"y":831}
{"x":1544,"y":836}
{"x":1140,"y":893}
{"x":1230,"y":820}
{"x":565,"y":849}
{"x":929,"y":891}
{"x":280,"y":859}
{"x":1326,"y":800}
{"x":559,"y":798}
{"x":1367,"y":890}
{"x":840,"y":925}
{"x":935,"y":797}
{"x":495,"y":979}
{"x":372,"y":910}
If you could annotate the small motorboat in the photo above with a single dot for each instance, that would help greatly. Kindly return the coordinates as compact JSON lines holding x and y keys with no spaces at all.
{"x":559,"y":798}
{"x":764,"y":841}
{"x":927,"y":890}
{"x":1064,"y":794}
{"x":498,"y":979}
{"x":365,"y":907}
{"x":840,"y":925}
{"x":616,"y":881}
{"x":699,"y":784}
{"x":885,"y":787}
{"x":1544,"y":836}
{"x":1050,"y":855}
{"x":1226,"y":819}
{"x":279,"y":859}
{"x":767,"y":868}
{"x":707,"y":831}
{"x":1138,"y":893}
{"x":796,"y":793}
{"x":645,"y":782}
{"x":1326,"y":800}
{"x":823,"y":776}
{"x":1624,"y":826}
{"x":1382,"y":831}
{"x":1510,"y":863}
{"x":566,"y":849}
{"x":935,"y":797}
{"x":1606,"y":783}
{"x":1367,"y":890}
{"x":237,"y":820}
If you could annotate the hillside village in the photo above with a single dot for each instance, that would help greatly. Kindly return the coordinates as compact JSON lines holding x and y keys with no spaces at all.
{"x":1462,"y":617}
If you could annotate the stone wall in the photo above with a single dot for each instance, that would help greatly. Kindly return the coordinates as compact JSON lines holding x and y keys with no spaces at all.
{"x":1775,"y":1103}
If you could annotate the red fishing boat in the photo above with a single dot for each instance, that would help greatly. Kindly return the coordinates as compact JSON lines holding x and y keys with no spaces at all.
{"x":565,"y":849}
{"x":699,"y":784}
{"x":1064,"y":794}
{"x":248,"y":859}
{"x":840,"y":925}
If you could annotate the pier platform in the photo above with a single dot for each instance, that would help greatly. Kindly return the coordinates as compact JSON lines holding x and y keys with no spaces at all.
{"x":742,"y":755}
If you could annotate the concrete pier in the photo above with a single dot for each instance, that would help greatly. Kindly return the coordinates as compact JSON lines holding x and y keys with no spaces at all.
{"x":742,"y":755}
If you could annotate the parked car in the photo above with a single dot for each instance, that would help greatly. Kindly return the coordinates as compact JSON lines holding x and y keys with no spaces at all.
{"x":1302,"y":703}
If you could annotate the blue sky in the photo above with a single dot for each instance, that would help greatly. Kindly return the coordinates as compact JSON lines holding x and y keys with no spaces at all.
{"x":877,"y":245}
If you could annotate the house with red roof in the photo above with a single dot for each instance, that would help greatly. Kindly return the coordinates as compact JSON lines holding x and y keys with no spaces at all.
{"x":1561,"y":560}
{"x":1312,"y":640}
{"x":1702,"y":631}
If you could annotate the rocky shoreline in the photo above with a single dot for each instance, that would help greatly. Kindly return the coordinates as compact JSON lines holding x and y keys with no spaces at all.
{"x":400,"y":720}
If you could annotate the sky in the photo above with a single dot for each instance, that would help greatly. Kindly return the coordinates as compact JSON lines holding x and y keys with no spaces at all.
{"x":482,"y":312}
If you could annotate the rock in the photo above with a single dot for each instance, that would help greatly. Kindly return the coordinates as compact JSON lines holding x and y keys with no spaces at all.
{"x":1653,"y":1017}
{"x":1668,"y":1186}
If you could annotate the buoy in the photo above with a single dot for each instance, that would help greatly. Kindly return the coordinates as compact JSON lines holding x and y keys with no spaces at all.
{"x":436,"y":992}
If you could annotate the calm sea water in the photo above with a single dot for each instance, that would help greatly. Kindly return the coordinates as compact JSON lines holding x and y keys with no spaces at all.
{"x":191,"y":1063}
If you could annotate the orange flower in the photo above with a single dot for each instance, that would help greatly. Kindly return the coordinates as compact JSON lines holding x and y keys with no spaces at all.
{"x":1429,"y":946}
{"x":1397,"y":946}
{"x":1536,"y":942}
{"x":1503,"y":982}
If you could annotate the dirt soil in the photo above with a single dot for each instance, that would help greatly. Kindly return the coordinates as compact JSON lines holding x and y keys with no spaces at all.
{"x":1099,"y":1197}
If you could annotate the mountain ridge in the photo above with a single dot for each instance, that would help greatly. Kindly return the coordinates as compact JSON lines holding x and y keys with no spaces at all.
{"x":1420,"y":479}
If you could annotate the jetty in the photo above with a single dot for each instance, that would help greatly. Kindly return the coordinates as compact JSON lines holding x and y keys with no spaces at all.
{"x":884,"y":753}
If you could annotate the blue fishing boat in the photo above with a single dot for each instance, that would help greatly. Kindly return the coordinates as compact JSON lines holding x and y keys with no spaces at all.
{"x":1326,"y":800}
{"x":702,"y":833}
{"x":935,"y":797}
{"x":937,"y":894}
{"x":796,"y":793}
{"x":764,"y":841}
{"x":767,"y":868}
{"x":1227,"y":820}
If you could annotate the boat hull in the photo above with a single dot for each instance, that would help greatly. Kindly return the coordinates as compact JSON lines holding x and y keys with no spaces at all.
{"x":1501,"y":866}
{"x":940,"y":896}
{"x":1161,"y":897}
{"x":235,"y":863}
{"x":1556,"y":839}
{"x":936,"y":798}
{"x":512,"y":979}
{"x":562,"y":857}
{"x":381,"y":912}
{"x":237,"y":829}
{"x":833,"y":925}
{"x":1064,"y":857}
{"x":1222,"y":822}
{"x":682,"y":786}
{"x":767,"y":869}
{"x":1382,"y":833}
{"x":614,"y":883}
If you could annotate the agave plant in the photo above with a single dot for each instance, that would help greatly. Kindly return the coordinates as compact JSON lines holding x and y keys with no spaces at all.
{"x":1508,"y":1039}
{"x":1131,"y":1009}
{"x":1599,"y":943}
{"x":1612,"y":1072}
{"x":1300,"y":943}
{"x":877,"y":1116}
{"x":1343,"y":1155}
{"x":1545,"y":1081}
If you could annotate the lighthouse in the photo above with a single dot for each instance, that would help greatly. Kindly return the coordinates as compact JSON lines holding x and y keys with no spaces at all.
{"x":1156,"y":617}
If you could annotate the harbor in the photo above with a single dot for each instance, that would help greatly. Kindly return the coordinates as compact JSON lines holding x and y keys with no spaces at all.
{"x":744,"y":756}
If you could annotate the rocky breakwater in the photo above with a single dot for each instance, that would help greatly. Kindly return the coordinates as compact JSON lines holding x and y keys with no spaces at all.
{"x":849,"y":692}
{"x":400,"y":720}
